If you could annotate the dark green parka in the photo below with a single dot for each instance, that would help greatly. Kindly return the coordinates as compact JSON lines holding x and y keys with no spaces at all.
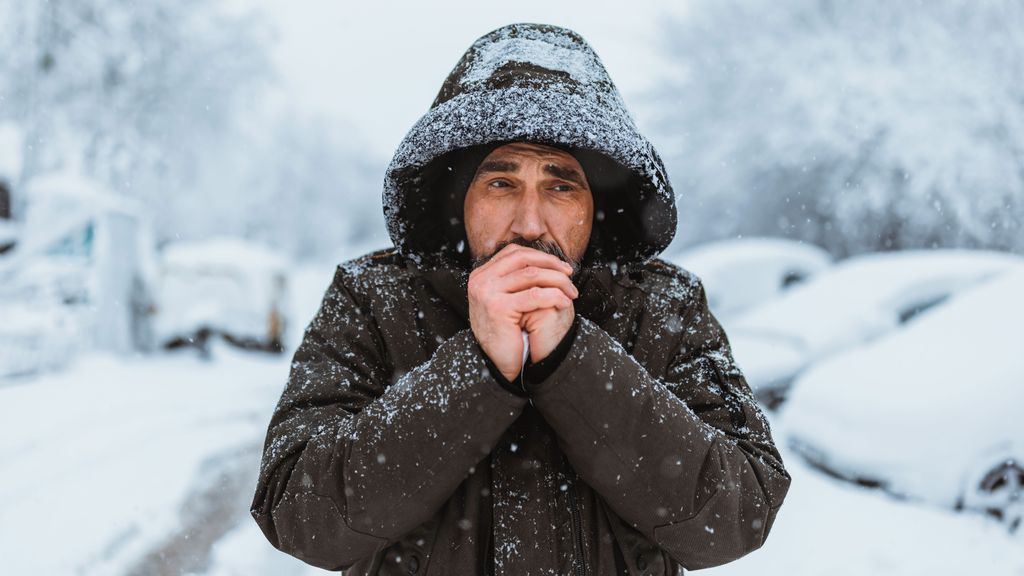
{"x":393,"y":449}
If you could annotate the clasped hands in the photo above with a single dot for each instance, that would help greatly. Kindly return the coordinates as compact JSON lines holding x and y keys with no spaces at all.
{"x":519,"y":289}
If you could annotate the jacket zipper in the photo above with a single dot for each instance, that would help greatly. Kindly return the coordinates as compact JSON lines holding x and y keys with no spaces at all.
{"x":579,"y":567}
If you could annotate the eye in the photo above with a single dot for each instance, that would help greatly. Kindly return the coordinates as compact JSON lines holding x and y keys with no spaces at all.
{"x":499,"y":184}
{"x":563,"y":187}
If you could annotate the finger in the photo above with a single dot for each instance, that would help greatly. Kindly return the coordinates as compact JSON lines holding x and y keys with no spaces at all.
{"x":537,"y":297}
{"x":486,"y":269}
{"x":501,"y":254}
{"x":530,"y":276}
{"x":516,"y":259}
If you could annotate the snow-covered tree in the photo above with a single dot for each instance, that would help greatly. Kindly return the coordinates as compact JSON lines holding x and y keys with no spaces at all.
{"x":313,"y":191}
{"x":172,"y":102}
{"x":856,"y":125}
{"x":134,"y":94}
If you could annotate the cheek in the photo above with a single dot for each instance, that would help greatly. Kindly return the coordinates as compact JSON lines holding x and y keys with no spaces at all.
{"x":483,"y":226}
{"x":574,"y":225}
{"x":585,"y":222}
{"x":581,"y":232}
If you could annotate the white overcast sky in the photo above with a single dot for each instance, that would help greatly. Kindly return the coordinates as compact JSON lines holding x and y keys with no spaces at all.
{"x":375,"y":67}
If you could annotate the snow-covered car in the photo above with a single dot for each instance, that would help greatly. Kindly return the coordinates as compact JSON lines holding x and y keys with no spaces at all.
{"x":9,"y":232}
{"x":743,"y":272}
{"x":934,"y":411}
{"x":79,"y":276}
{"x":224,"y":287}
{"x":853,"y":302}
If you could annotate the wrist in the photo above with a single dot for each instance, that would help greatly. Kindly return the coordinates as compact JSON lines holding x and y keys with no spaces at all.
{"x":501,"y":378}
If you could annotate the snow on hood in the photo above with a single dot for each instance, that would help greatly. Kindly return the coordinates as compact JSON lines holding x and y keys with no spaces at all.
{"x":537,"y":83}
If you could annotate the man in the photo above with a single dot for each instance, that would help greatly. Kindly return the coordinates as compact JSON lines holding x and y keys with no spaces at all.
{"x":519,"y":386}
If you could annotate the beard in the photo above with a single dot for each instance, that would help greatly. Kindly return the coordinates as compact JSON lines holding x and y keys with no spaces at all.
{"x":542,"y":245}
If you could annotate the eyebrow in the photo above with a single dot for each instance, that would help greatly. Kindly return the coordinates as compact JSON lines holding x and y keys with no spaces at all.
{"x":497,"y":166}
{"x":569,"y":174}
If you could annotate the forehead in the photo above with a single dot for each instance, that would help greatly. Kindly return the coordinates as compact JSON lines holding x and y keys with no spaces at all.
{"x":531,"y":150}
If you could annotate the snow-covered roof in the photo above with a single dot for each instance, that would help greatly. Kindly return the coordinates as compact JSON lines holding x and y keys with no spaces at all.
{"x":85,"y":194}
{"x":223,"y":253}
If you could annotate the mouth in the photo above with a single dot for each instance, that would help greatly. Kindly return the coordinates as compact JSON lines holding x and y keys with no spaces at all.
{"x":538,"y":244}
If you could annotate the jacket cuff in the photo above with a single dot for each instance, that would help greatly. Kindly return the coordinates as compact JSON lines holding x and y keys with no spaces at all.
{"x":535,"y":374}
{"x":512,"y":387}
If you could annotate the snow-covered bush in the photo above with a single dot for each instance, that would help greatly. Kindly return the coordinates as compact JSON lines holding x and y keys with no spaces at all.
{"x":857,"y":126}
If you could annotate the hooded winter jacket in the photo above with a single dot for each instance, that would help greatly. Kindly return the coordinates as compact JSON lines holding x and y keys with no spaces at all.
{"x":395,"y":450}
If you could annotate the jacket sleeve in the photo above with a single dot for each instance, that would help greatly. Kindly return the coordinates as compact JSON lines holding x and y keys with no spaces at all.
{"x":688,"y":459}
{"x":352,"y":462}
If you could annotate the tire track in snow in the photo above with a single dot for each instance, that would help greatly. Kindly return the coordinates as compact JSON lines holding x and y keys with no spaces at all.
{"x":218,"y":502}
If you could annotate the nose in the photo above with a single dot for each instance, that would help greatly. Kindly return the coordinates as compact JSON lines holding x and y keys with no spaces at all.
{"x":529,"y":220}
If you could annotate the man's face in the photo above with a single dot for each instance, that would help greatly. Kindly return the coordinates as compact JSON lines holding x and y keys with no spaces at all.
{"x":529,"y":194}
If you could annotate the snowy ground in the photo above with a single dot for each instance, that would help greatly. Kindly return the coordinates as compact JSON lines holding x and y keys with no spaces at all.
{"x":110,"y":460}
{"x":136,"y":466}
{"x":831,"y":527}
{"x":147,"y":466}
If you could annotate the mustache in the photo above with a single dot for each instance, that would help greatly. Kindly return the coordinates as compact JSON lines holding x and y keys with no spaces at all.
{"x":538,"y":244}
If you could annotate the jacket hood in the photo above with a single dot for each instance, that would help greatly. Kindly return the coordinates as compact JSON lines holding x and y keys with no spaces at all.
{"x":535,"y":83}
